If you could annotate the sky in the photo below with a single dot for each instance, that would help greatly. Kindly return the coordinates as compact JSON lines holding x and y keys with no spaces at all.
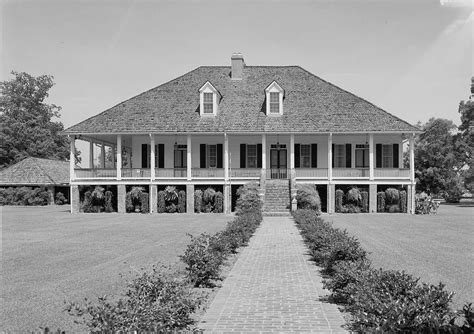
{"x":413,"y":58}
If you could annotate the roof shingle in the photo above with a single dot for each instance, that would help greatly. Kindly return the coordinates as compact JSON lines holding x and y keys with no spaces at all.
{"x":36,"y":171}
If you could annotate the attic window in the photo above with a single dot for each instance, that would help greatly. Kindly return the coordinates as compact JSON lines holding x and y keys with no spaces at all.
{"x":274,"y":97}
{"x":208,"y":103}
{"x":208,"y":100}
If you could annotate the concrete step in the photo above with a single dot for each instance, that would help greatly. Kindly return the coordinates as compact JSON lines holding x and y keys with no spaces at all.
{"x":277,"y":214}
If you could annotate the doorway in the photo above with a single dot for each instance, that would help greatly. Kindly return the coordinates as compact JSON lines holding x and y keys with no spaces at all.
{"x":278,"y":162}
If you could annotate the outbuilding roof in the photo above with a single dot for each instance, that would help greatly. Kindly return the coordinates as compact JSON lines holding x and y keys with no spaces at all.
{"x":36,"y":172}
{"x":310,"y":105}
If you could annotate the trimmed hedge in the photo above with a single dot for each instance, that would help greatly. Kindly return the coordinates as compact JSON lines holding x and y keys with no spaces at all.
{"x":307,"y":197}
{"x":381,"y":201}
{"x":219,"y":202}
{"x":365,"y":201}
{"x":197,"y":201}
{"x":24,"y":196}
{"x":161,"y":202}
{"x":378,"y":300}
{"x":181,"y":201}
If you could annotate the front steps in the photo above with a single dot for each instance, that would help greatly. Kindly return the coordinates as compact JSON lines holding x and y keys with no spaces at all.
{"x":277,"y":198}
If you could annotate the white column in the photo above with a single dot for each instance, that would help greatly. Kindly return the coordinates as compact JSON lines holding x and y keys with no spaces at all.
{"x":264,"y":151}
{"x":292,"y":151}
{"x":152,"y":157}
{"x":330,"y":157}
{"x":226,"y":158}
{"x":188,"y":157}
{"x":119,"y":157}
{"x":72,"y":157}
{"x":371,"y":156}
{"x":412,"y":158}
{"x":102,"y":155}
{"x":91,"y":154}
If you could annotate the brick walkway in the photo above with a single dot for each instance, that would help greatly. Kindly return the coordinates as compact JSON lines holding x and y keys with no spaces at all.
{"x":273,"y":288}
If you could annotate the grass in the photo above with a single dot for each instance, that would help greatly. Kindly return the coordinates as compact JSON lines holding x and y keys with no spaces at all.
{"x":434,"y":247}
{"x":49,"y":256}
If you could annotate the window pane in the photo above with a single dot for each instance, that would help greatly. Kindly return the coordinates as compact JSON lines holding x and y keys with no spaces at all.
{"x":362,"y":156}
{"x":274,"y":102}
{"x":305,"y":153}
{"x":252,"y":156}
{"x":212,"y":149}
{"x":339,"y":156}
{"x":387,"y":156}
{"x":208,"y":103}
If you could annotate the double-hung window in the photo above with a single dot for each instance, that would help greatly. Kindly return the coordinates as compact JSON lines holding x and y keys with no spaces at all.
{"x":212,"y":156}
{"x":339,"y":156}
{"x":274,"y":103}
{"x":305,"y":155}
{"x":387,"y":156}
{"x":208,"y":103}
{"x":362,"y":156}
{"x":251,"y":156}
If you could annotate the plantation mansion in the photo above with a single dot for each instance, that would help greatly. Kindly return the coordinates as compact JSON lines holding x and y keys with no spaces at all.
{"x":224,"y":126}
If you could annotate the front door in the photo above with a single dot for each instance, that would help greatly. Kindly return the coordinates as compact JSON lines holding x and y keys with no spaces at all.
{"x":278,"y":162}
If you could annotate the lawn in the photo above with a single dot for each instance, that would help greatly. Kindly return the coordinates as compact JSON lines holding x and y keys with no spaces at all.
{"x":434,"y":247}
{"x":49,"y":256}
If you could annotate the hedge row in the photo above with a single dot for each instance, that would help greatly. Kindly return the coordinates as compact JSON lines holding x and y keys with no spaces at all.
{"x":164,"y":300}
{"x":378,"y":300}
{"x":24,"y":196}
{"x":206,"y":253}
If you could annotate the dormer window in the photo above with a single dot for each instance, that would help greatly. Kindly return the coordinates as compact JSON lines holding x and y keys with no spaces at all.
{"x":274,"y":96}
{"x":209,"y":97}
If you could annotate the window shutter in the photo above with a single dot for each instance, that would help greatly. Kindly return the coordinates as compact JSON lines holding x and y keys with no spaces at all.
{"x":220,"y":157}
{"x":144,"y":155}
{"x":243,"y":155}
{"x":395,"y":156}
{"x":314,"y":155}
{"x":333,"y":154}
{"x":161,"y":155}
{"x":297,"y":156}
{"x":378,"y":156}
{"x":202,"y":156}
{"x":156,"y":156}
{"x":348,"y":155}
{"x":259,"y":155}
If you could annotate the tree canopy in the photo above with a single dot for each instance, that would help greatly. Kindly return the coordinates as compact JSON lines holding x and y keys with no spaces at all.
{"x":465,"y":139}
{"x":26,"y":122}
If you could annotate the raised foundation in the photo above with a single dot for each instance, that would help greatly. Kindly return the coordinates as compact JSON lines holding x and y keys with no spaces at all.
{"x":372,"y":198}
{"x":227,"y":199}
{"x":331,"y":198}
{"x":190,"y":198}
{"x":75,"y":200}
{"x":121,"y":192}
{"x":153,"y":198}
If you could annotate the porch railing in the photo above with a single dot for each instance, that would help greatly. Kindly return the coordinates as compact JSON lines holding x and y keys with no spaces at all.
{"x":278,"y":173}
{"x":350,"y":172}
{"x":311,"y":172}
{"x":136,"y":173}
{"x":245,"y":172}
{"x":207,"y":172}
{"x":392,"y":172}
{"x":170,"y":172}
{"x":89,"y":173}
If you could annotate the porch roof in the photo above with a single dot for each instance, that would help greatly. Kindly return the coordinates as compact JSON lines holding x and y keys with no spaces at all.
{"x":310,"y":105}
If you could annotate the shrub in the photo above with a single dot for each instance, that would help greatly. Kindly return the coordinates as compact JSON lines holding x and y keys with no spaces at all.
{"x":172,"y":208}
{"x":129,"y":207}
{"x":403,"y":201}
{"x":202,"y":260}
{"x":353,"y":196}
{"x":454,"y":189}
{"x":339,"y":198}
{"x":161,"y":202}
{"x":219,"y":202}
{"x":249,"y":201}
{"x":392,"y":196}
{"x":197,"y":201}
{"x":135,"y":193}
{"x":144,"y":202}
{"x":350,"y":208}
{"x":181,"y":201}
{"x":393,"y":208}
{"x":156,"y":301}
{"x":87,"y":203}
{"x":171,"y":194}
{"x":24,"y":196}
{"x":108,"y":201}
{"x":381,"y":201}
{"x":307,"y":197}
{"x":365,"y":201}
{"x":60,"y":199}
{"x":208,"y":195}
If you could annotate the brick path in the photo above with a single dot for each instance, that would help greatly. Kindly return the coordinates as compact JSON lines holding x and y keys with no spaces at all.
{"x":273,"y":288}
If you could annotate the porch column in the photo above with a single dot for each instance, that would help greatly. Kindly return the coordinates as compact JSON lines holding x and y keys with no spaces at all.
{"x":121,"y":195}
{"x":227,"y":204}
{"x":91,"y":154}
{"x":102,"y":155}
{"x":372,"y":198}
{"x":72,"y":157}
{"x":189,"y":160}
{"x":113,"y":157}
{"x":152,"y":157}
{"x":264,"y":161}
{"x":153,"y":198}
{"x":412,"y":187}
{"x":371,"y":156}
{"x":292,"y":168}
{"x":330,"y":157}
{"x":119,"y":157}
{"x":74,"y":198}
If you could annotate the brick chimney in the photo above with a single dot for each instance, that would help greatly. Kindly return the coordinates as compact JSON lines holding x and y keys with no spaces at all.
{"x":238,"y":64}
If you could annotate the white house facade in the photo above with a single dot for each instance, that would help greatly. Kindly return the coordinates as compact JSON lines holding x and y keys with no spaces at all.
{"x":229,"y":125}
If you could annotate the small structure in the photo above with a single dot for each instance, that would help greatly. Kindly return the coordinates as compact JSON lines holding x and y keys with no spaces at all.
{"x":37,"y":172}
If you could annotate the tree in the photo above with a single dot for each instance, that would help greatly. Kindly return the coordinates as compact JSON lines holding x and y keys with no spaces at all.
{"x":465,"y":140}
{"x":437,"y":160}
{"x":27,"y":128}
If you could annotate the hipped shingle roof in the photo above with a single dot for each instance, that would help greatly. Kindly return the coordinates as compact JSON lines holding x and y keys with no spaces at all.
{"x":37,"y":172}
{"x":310,"y":105}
